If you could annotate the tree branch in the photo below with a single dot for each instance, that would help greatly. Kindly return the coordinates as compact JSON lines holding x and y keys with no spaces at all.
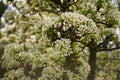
{"x":105,"y":41}
{"x":109,"y":49}
{"x":104,"y":23}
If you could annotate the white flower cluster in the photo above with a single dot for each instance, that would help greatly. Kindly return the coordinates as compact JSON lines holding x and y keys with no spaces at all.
{"x":81,"y":24}
{"x":48,"y":21}
{"x":88,"y":5}
{"x":114,"y":14}
{"x":63,"y":45}
{"x":52,"y":72}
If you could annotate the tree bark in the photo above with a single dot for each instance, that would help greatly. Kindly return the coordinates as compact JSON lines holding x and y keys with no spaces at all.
{"x":118,"y":75}
{"x":92,"y":61}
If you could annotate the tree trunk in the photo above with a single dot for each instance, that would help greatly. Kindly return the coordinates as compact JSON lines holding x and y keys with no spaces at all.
{"x":118,"y":75}
{"x":92,"y":61}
